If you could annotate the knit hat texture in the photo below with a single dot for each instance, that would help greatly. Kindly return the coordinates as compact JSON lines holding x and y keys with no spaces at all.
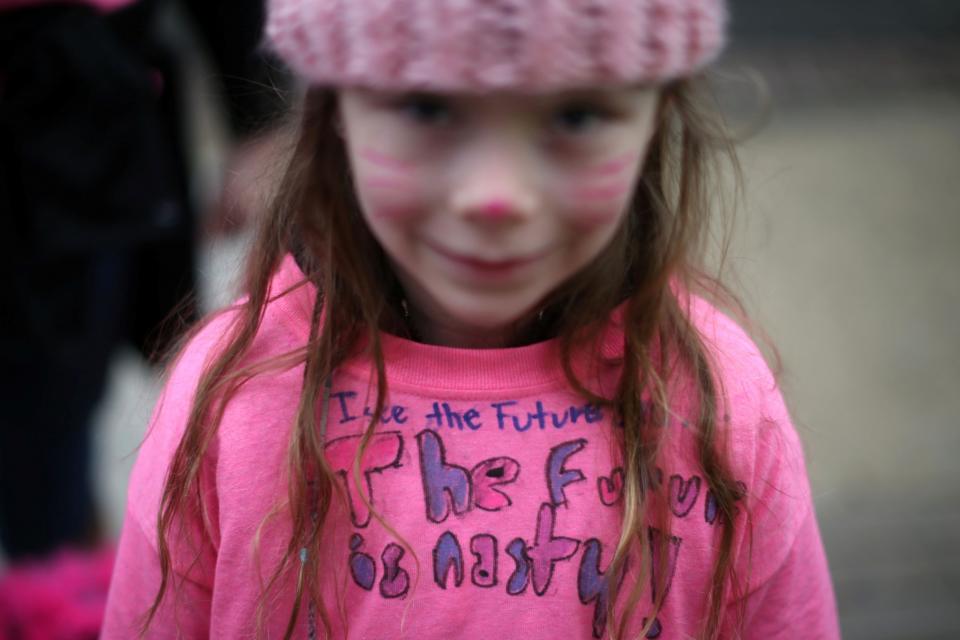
{"x":478,"y":45}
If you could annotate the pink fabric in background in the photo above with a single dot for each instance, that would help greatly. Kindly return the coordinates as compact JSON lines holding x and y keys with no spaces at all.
{"x":62,"y":597}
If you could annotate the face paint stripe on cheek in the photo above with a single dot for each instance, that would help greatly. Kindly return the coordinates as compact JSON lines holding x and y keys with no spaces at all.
{"x":600,"y":193}
{"x":587,"y":220}
{"x":386,"y":182}
{"x":612,"y":167}
{"x":384,"y":161}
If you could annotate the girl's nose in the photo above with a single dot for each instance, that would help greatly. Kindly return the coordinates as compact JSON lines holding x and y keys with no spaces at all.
{"x":496,"y":209}
{"x":496,"y":187}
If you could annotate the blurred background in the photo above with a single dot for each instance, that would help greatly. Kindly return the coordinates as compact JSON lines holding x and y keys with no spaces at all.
{"x":846,"y":252}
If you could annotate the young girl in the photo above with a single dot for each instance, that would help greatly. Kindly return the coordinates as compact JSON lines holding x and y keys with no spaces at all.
{"x":475,"y":389}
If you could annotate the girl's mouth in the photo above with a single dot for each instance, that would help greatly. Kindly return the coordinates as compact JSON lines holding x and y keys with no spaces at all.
{"x":487,"y":266}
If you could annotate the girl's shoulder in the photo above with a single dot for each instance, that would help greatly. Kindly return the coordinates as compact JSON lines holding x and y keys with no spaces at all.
{"x":751,"y":402}
{"x":764,"y":449}
{"x":735,"y":355}
{"x":271,"y":391}
{"x":777,"y":552}
{"x":284,"y":326}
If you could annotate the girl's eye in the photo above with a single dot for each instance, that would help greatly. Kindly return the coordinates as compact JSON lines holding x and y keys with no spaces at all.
{"x":425,"y":109}
{"x":579,"y":118}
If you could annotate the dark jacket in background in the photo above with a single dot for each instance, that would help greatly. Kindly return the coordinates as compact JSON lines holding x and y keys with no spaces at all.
{"x":97,"y":228}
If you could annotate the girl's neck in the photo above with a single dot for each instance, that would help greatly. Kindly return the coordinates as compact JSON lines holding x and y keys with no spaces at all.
{"x":436,"y":329}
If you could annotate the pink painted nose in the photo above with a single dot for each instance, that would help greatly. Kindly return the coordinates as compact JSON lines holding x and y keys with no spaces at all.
{"x":495,"y":210}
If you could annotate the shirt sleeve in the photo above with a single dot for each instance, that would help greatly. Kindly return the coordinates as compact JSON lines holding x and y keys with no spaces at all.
{"x":184,"y":611}
{"x":789,"y":592}
{"x":193,"y":541}
{"x":780,"y":562}
{"x":798,"y":599}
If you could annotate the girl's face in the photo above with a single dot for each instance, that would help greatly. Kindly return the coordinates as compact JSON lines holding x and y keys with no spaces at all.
{"x":486,"y":203}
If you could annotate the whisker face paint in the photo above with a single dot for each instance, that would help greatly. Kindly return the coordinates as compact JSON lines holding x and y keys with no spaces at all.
{"x":586,"y":220}
{"x":600,"y":193}
{"x":386,"y":182}
{"x":387,"y":175}
{"x":613,"y":167}
{"x":594,"y":189}
{"x":384,"y":161}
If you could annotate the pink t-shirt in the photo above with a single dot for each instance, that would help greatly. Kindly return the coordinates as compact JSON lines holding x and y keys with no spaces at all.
{"x":499,"y":477}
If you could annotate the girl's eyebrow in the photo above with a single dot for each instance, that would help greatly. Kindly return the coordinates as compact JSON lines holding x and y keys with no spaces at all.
{"x":626,"y":92}
{"x":382,"y":160}
{"x":619,"y":97}
{"x":588,"y":93}
{"x":568,"y":95}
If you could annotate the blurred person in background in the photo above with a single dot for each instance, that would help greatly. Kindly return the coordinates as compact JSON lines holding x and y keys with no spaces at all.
{"x":98,"y":228}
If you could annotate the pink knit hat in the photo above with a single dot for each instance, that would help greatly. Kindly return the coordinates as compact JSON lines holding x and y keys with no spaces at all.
{"x":475,"y":45}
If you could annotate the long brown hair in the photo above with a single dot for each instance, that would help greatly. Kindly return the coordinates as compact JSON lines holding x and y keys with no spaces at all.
{"x":650,"y":270}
